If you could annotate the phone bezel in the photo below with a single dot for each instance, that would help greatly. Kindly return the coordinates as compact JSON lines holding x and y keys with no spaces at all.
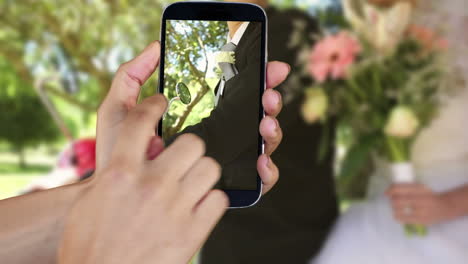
{"x":222,"y":12}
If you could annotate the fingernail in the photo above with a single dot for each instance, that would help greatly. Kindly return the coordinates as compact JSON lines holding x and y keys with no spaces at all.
{"x":271,"y":124}
{"x":278,"y":98}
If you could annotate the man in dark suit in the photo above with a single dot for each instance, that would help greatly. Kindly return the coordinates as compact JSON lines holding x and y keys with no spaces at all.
{"x":290,"y":223}
{"x":231,"y":130}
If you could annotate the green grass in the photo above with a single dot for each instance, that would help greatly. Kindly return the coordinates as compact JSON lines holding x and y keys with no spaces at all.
{"x":13,"y":178}
{"x":7,"y":168}
{"x":11,"y":184}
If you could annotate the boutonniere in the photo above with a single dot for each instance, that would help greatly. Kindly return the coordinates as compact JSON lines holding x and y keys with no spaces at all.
{"x":226,"y":57}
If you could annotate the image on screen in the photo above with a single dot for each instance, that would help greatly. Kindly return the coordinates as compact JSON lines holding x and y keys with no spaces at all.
{"x":212,"y":79}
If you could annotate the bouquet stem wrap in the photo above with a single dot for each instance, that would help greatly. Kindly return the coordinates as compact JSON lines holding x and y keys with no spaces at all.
{"x":403,"y":173}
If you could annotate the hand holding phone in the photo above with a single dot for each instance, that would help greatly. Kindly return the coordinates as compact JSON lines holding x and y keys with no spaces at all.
{"x":126,"y":181}
{"x":213,"y":72}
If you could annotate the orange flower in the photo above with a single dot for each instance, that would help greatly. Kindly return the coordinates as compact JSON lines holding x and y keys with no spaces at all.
{"x":389,"y":3}
{"x":429,"y":40}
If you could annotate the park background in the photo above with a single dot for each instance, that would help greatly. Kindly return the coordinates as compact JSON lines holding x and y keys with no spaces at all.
{"x":69,"y":51}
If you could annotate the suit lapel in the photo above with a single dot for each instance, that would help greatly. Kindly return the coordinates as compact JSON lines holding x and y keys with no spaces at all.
{"x":242,"y":47}
{"x":242,"y":51}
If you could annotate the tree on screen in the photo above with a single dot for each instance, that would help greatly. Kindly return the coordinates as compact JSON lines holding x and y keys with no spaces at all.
{"x":190,"y":47}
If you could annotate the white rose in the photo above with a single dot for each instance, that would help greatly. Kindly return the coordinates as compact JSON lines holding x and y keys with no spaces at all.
{"x":381,"y":27}
{"x":402,"y":123}
{"x":315,"y":105}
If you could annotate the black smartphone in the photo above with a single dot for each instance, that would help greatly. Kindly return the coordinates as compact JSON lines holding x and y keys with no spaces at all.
{"x":212,"y":71}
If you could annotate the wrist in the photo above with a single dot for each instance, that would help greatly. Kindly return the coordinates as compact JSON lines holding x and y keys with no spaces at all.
{"x":35,"y":224}
{"x":71,"y":193}
{"x":451,"y":203}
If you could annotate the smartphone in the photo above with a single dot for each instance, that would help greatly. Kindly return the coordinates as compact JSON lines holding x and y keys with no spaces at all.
{"x":212,"y":71}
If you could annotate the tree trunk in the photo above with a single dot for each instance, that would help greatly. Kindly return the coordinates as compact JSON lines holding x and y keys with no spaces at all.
{"x":21,"y":157}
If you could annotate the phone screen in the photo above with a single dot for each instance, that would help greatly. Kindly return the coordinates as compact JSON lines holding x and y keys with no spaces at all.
{"x":213,"y":78}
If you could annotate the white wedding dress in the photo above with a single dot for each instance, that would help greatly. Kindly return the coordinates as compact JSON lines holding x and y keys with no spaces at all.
{"x":367,"y":232}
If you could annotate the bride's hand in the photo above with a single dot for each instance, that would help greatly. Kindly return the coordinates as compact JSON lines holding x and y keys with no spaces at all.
{"x":417,"y":204}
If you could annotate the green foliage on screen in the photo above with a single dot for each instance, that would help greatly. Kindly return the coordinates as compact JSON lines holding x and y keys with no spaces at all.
{"x":190,"y":47}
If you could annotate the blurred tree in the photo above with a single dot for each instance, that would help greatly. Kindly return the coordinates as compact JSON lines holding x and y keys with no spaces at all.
{"x":91,"y":37}
{"x":24,"y":121}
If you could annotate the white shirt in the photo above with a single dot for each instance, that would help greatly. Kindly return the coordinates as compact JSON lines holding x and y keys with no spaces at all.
{"x":235,"y":40}
{"x":239,"y":33}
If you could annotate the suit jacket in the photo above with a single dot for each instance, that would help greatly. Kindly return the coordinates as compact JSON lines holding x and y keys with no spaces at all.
{"x":231,"y":130}
{"x":291,"y":222}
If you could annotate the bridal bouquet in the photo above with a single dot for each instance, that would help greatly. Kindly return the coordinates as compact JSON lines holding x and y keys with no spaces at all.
{"x":381,"y":79}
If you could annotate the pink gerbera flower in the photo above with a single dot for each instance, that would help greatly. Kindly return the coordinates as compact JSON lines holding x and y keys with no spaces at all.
{"x":332,"y":56}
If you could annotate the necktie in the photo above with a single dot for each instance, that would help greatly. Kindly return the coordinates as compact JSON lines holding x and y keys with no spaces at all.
{"x":229,"y":70}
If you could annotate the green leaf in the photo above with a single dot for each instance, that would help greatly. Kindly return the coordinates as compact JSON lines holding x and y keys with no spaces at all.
{"x":357,"y":156}
{"x":184,"y":93}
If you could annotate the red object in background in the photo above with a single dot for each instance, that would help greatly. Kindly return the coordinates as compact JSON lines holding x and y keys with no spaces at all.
{"x":84,"y":151}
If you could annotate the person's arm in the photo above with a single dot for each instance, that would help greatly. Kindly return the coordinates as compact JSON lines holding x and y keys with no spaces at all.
{"x":417,"y":204}
{"x":31,"y":225}
{"x":457,"y":202}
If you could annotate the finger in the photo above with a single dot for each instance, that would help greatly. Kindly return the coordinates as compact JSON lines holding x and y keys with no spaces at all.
{"x":122,"y":95}
{"x":272,"y":134}
{"x":402,"y":203}
{"x":179,"y":157}
{"x":210,"y":209}
{"x":409,"y":213}
{"x":410,"y":189}
{"x":207,"y":214}
{"x":272,"y":102}
{"x":408,"y":219}
{"x":268,"y":172}
{"x":130,"y":77}
{"x":416,"y":217}
{"x":200,"y":180}
{"x":138,"y":129}
{"x":156,"y":146}
{"x":405,"y":209}
{"x":276,"y":73}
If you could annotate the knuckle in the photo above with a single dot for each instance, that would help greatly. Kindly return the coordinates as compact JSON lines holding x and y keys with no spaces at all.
{"x":213,"y":167}
{"x":160,"y":100}
{"x":140,"y":113}
{"x":155,"y":189}
{"x":212,"y":164}
{"x":102,"y":109}
{"x":219,"y":198}
{"x":151,"y":107}
{"x":118,"y":172}
{"x":156,"y":103}
{"x":123,"y":67}
{"x":193,"y":141}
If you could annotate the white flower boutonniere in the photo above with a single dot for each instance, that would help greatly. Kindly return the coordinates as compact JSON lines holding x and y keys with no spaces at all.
{"x":225,"y":56}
